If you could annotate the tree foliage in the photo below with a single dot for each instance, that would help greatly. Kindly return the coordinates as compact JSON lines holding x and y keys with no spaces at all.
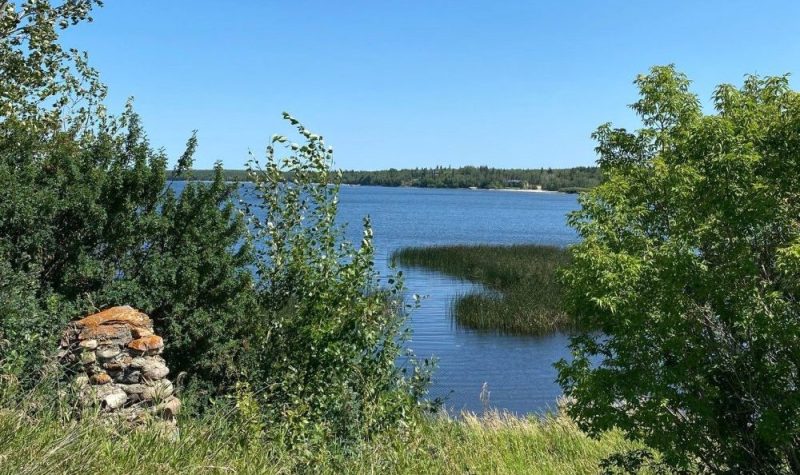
{"x":266,"y":304}
{"x":689,"y":264}
{"x":570,"y":180}
{"x":91,"y":221}
{"x":326,"y":355}
{"x":41,"y":82}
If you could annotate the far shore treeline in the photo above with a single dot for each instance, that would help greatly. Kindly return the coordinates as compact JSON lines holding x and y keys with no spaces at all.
{"x":568,"y":180}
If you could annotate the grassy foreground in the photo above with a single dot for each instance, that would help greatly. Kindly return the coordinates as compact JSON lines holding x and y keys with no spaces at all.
{"x":524,"y":296}
{"x":494,"y":444}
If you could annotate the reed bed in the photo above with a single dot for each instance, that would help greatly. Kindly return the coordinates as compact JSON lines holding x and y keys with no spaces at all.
{"x":522,"y":296}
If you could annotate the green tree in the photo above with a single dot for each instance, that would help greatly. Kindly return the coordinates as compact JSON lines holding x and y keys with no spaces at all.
{"x":324,"y":359}
{"x":267,"y":299}
{"x":689,"y":264}
{"x":285,"y":304}
{"x":87,"y":219}
{"x":91,"y":220}
{"x":41,"y":82}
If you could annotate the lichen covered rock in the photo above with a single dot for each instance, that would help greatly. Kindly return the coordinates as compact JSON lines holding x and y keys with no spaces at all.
{"x":147,"y":345}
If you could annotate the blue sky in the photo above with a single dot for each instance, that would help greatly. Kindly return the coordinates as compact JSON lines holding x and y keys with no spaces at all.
{"x":423,"y":83}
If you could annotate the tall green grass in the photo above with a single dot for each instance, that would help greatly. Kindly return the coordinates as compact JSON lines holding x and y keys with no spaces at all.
{"x":523,"y":297}
{"x":213,"y":444}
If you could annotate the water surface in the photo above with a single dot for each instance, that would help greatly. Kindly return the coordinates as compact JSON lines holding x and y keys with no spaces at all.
{"x":518,"y":370}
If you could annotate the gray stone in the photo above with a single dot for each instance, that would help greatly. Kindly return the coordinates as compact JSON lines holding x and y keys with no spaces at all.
{"x":155,"y":369}
{"x":92,"y":395}
{"x":169,"y":408}
{"x":87,"y":357}
{"x":89,"y":344}
{"x":133,"y":388}
{"x":129,"y":377}
{"x":108,"y":352}
{"x":158,"y":390}
{"x":119,"y":363}
{"x":138,"y":362}
{"x":114,"y":400}
{"x":135,"y":398}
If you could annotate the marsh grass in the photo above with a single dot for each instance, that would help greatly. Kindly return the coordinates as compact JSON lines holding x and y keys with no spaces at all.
{"x":522,"y":293}
{"x":494,"y":443}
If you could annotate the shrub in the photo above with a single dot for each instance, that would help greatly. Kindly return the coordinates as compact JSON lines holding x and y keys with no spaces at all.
{"x":296,"y":325}
{"x":324,"y":355}
{"x":89,"y":222}
{"x":689,"y":266}
{"x":87,"y":219}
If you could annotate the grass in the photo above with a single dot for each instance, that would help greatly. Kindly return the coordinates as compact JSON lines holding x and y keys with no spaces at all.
{"x":212,"y":444}
{"x":523,"y":297}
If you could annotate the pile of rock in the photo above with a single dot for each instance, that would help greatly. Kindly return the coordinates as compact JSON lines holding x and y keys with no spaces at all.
{"x":117,"y":364}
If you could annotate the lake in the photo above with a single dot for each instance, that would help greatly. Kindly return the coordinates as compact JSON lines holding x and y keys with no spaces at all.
{"x":518,"y":370}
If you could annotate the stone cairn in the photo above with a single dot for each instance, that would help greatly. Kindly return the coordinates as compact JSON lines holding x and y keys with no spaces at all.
{"x":115,"y":357}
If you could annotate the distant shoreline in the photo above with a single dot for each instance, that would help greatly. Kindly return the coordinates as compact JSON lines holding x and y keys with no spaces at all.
{"x":564,"y":180}
{"x":356,"y":185}
{"x":570,"y":191}
{"x":516,"y":190}
{"x":519,"y":190}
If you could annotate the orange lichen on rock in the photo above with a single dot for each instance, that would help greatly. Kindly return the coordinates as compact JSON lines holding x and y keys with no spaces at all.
{"x":140,"y":332}
{"x":125,"y":315}
{"x":148,"y":343}
{"x":101,"y":378}
{"x":105,"y":332}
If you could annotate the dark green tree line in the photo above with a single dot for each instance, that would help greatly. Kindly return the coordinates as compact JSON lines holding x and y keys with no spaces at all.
{"x":566,"y":179}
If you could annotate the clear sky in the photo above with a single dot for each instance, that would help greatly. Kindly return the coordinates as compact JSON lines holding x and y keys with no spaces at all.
{"x":419,"y":83}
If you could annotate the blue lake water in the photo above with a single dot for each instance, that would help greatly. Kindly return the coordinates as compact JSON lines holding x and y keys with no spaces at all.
{"x":518,"y":370}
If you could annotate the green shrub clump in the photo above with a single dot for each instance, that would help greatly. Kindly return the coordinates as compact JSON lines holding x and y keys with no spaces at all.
{"x":689,"y":266}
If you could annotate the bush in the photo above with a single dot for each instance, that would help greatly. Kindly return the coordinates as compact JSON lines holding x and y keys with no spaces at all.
{"x":690,"y":265}
{"x":324,"y":354}
{"x":295,"y":326}
{"x":89,"y":222}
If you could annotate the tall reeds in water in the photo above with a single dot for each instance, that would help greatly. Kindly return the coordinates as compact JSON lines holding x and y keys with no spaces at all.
{"x":522,"y":294}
